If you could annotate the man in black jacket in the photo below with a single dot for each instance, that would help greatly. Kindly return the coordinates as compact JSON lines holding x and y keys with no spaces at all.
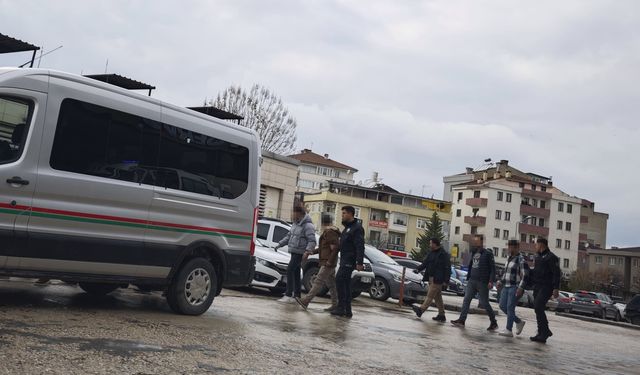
{"x":481,"y":276}
{"x":437,"y":270}
{"x":351,"y":257}
{"x":546,"y":282}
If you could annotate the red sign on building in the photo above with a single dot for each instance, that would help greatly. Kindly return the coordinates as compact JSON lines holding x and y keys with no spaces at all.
{"x":378,"y":224}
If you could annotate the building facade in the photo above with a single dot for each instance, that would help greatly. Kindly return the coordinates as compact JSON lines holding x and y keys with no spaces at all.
{"x":316,"y":170}
{"x":278,"y":184}
{"x":503,"y":203}
{"x":392,"y":221}
{"x":616,"y":267}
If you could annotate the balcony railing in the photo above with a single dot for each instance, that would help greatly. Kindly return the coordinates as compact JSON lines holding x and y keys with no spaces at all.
{"x":582,"y":237}
{"x":536,"y":194}
{"x":527,"y":247}
{"x":477,"y":202}
{"x":476,"y":221}
{"x":534,"y":229}
{"x":534,"y":211}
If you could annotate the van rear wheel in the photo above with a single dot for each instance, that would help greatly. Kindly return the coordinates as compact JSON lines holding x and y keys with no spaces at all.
{"x":98,"y":289}
{"x":193,"y":288}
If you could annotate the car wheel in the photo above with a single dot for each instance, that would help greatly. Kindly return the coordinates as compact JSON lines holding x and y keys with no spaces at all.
{"x":193,"y":287}
{"x":618,"y":317}
{"x":600,"y":315}
{"x":98,"y":289}
{"x":379,"y":289}
{"x":309,"y":277}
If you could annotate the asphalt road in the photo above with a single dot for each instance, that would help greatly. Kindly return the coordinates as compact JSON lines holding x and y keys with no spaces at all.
{"x":57,"y":329}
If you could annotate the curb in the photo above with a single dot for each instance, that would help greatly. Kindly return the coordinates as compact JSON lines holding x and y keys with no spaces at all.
{"x":596,"y":320}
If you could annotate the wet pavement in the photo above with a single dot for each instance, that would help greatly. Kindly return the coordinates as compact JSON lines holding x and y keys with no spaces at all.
{"x":58,"y":329}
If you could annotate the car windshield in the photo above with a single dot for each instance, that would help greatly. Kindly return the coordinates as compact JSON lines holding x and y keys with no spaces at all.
{"x":377,"y":256}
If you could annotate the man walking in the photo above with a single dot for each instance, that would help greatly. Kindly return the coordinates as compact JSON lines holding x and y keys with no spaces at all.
{"x":326,"y":277}
{"x":546,"y":282}
{"x":482,"y":274}
{"x":437,"y":270}
{"x":513,"y":282}
{"x":351,"y":256}
{"x":301,"y":238}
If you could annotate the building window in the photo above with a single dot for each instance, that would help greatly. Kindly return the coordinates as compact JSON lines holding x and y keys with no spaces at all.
{"x":396,"y":199}
{"x":505,"y":235}
{"x":543,"y":188}
{"x":496,"y":233}
{"x":509,"y":197}
{"x":543,"y":204}
{"x":421,"y":223}
{"x":500,"y":194}
{"x":567,"y":245}
{"x":458,"y":212}
{"x":559,"y":224}
{"x":619,"y":261}
{"x":568,"y":226}
{"x":400,"y":219}
{"x":534,"y":221}
{"x":532,"y":238}
{"x":558,"y":243}
{"x":534,"y":187}
{"x":560,"y":207}
{"x":504,"y":253}
{"x":569,"y":208}
{"x":457,"y":230}
{"x":418,"y":242}
{"x":459,"y":196}
{"x":498,"y":215}
{"x":305,"y":184}
{"x":474,"y":230}
{"x":598,"y":259}
{"x":308,"y":169}
{"x":612,"y":261}
{"x":534,"y":202}
{"x":566,"y":263}
{"x":523,"y":237}
{"x":525,"y":201}
{"x":357,"y":214}
{"x":541,"y":222}
{"x":635,"y":262}
{"x":476,"y":194}
{"x":507,"y":216}
{"x":495,"y":251}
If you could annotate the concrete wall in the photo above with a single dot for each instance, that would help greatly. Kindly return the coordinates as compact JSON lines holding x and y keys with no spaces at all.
{"x":279,"y":177}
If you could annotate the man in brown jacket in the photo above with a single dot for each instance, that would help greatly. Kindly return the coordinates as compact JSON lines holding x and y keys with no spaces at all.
{"x":328,"y":249}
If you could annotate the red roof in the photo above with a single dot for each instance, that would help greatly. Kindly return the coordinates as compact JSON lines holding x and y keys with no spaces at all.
{"x":309,"y":157}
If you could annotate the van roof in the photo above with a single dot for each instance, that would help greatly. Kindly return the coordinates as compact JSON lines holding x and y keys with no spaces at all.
{"x":105,"y":86}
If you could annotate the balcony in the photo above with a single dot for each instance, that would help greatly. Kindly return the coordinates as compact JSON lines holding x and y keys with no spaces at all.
{"x":467,"y":237}
{"x":584,"y":219}
{"x":582,"y":237}
{"x":534,"y":229}
{"x":477,"y":202}
{"x":527,"y":247}
{"x":534,"y":211}
{"x":536,"y":194}
{"x":476,"y":221}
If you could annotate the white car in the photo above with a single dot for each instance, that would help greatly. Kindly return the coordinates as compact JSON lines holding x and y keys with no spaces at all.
{"x":271,"y":268}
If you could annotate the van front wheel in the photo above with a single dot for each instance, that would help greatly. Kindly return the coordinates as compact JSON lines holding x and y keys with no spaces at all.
{"x":98,"y":289}
{"x":193,"y":287}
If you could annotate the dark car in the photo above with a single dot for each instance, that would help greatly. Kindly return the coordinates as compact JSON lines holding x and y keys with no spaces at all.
{"x":596,"y":304}
{"x":632,"y":311}
{"x":406,"y":262}
{"x":389,"y":278}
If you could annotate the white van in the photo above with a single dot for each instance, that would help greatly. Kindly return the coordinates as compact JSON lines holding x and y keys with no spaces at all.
{"x":105,"y":187}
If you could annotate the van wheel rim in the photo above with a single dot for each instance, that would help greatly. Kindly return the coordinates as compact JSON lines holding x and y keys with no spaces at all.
{"x":197,"y":287}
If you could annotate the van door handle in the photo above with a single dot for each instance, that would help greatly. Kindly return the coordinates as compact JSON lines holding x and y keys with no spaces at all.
{"x":17,"y":181}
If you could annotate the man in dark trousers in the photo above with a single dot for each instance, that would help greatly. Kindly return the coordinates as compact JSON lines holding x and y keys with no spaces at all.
{"x":546,"y":283}
{"x":481,"y":276}
{"x":437,"y":271}
{"x":351,"y":257}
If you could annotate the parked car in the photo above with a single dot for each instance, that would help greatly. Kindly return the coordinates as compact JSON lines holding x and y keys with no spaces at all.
{"x":271,"y":231}
{"x":526,"y":300}
{"x":596,"y":304}
{"x":388,"y":278}
{"x":271,"y":268}
{"x":621,"y":307}
{"x":406,"y":262}
{"x":455,"y":285}
{"x":632,"y":311}
{"x":562,"y":303}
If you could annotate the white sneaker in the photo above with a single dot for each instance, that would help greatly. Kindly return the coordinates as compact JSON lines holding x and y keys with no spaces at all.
{"x":286,"y":299}
{"x":506,"y":333}
{"x":520,"y":327}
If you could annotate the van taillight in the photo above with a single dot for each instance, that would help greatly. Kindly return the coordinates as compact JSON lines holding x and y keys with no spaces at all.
{"x":252,"y":247}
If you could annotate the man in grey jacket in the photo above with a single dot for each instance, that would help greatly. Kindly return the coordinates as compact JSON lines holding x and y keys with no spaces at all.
{"x":300,"y":239}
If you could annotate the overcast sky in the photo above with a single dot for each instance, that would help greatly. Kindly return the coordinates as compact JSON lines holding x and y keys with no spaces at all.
{"x":414,"y":90}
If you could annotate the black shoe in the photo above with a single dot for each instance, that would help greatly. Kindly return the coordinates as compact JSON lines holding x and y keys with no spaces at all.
{"x":493,"y":326}
{"x":417,"y":310}
{"x":338,"y":312}
{"x":348,"y":314}
{"x":458,"y":323}
{"x":540,"y":339}
{"x":330,"y":308}
{"x":440,"y":318}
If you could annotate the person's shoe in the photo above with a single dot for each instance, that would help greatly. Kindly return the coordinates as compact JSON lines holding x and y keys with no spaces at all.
{"x":520,"y":327}
{"x":302,"y":304}
{"x":540,"y":339}
{"x":417,"y":310}
{"x":331,"y":308}
{"x":458,"y":323}
{"x":493,"y":326}
{"x":440,"y":318}
{"x":286,"y":299}
{"x":505,"y":333}
{"x":348,"y":314}
{"x":338,"y":312}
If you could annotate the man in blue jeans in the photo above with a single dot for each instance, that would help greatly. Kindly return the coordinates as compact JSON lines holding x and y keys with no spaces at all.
{"x":513,"y":282}
{"x":482,"y":274}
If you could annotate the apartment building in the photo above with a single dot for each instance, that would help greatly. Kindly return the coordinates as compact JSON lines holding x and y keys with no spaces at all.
{"x":392,"y":221}
{"x":620,"y":267}
{"x":315,"y":170}
{"x":278,"y":184}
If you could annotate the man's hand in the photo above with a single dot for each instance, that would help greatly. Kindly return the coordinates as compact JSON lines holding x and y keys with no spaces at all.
{"x":490,"y":285}
{"x":360,"y":267}
{"x":556,"y":293}
{"x":305,"y":256}
{"x":519,"y":292}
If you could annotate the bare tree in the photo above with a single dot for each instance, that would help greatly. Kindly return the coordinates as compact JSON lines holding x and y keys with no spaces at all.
{"x":263,"y":112}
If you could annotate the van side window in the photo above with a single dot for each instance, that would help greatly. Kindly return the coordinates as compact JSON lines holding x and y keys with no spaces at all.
{"x":204,"y":165}
{"x":103,"y":142}
{"x":15,"y":114}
